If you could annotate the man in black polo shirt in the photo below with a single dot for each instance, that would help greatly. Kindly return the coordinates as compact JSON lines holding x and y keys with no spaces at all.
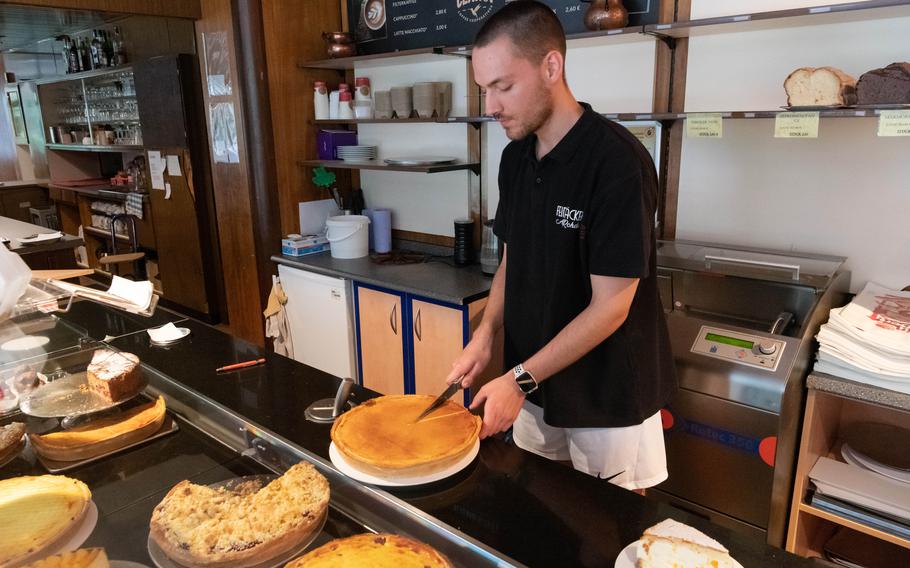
{"x":576,"y":291}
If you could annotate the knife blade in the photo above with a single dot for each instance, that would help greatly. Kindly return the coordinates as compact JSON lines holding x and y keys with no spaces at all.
{"x":441,"y":399}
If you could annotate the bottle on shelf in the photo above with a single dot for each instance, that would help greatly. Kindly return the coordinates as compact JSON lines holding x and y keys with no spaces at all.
{"x":75,"y":62}
{"x":96,"y":51}
{"x":345,"y":108}
{"x":107,"y":47}
{"x":321,"y":101}
{"x":334,"y":98}
{"x":85,"y":55}
{"x":117,"y":47}
{"x":363,"y":98}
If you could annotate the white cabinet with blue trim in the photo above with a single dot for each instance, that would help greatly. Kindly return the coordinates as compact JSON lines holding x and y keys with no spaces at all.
{"x":407,"y":343}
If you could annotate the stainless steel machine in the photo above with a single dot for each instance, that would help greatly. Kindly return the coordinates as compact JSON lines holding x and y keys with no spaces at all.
{"x":742,"y":323}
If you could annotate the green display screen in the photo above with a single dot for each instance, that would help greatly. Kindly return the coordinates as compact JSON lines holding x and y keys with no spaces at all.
{"x":729,"y":340}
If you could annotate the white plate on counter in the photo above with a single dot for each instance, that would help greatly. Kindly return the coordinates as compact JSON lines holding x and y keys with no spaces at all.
{"x":351,"y":471}
{"x":628,"y":557}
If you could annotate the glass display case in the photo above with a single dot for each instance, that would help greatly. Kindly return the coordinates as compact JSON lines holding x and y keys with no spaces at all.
{"x":95,"y":110}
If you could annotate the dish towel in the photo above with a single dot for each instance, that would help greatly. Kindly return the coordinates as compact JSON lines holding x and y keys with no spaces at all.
{"x":276,"y":320}
{"x":134,"y":204}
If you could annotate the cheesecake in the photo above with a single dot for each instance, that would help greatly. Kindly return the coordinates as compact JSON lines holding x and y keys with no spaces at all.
{"x":36,"y":511}
{"x":373,"y":550}
{"x":82,"y":558}
{"x":103,"y":435}
{"x":197,"y":525}
{"x":383,"y":436}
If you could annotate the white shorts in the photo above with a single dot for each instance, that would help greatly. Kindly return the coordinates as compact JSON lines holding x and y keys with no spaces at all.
{"x":632,"y":457}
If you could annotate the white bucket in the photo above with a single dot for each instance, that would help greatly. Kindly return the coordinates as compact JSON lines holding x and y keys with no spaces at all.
{"x":349,"y":235}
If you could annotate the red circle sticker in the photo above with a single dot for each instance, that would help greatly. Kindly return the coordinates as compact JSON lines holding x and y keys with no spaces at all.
{"x":767,"y":448}
{"x":666,"y":419}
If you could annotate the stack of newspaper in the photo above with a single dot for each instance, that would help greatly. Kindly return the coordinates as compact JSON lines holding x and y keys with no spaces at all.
{"x":868,"y":340}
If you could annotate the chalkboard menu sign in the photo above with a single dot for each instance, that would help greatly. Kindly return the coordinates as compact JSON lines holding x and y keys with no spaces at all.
{"x":391,"y":25}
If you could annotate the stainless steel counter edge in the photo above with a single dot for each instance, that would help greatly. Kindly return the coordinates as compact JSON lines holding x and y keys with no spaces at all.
{"x":467,"y":284}
{"x":859,"y":391}
{"x":377,"y":509}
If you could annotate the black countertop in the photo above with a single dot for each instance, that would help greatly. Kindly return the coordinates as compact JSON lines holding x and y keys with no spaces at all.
{"x":536,"y":511}
{"x":437,"y":279}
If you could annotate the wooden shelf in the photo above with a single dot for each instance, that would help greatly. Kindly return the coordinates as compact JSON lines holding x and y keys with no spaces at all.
{"x":104,"y":234}
{"x":95,"y":147}
{"x":405,"y":56}
{"x":859,"y":527}
{"x":870,"y":112}
{"x":380,"y":166}
{"x":778,"y":19}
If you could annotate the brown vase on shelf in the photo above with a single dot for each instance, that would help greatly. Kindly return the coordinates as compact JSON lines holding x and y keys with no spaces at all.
{"x":606,"y":15}
{"x":339,"y":44}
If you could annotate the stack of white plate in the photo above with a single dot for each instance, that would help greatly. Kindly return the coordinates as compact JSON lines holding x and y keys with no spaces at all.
{"x":356,"y":153}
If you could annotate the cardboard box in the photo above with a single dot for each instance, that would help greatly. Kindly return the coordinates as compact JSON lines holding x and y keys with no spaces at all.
{"x":383,"y":26}
{"x":303,"y":251}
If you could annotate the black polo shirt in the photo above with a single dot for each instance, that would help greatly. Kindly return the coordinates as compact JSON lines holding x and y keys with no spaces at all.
{"x":586,"y":208}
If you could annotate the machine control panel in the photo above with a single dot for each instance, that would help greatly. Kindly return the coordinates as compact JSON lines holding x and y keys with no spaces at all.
{"x":737,"y":347}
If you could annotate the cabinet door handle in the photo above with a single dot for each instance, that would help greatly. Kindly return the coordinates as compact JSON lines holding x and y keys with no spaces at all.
{"x":417,"y":325}
{"x":393,"y":319}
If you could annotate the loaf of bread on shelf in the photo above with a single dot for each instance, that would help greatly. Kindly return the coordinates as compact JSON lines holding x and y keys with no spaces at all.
{"x":102,"y":436}
{"x":889,"y":85}
{"x":820,"y":86}
{"x":114,"y":375}
{"x":670,"y":543}
{"x":82,"y":558}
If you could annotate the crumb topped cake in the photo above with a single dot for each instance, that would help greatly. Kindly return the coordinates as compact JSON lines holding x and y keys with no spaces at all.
{"x":114,"y":375}
{"x":202,"y":526}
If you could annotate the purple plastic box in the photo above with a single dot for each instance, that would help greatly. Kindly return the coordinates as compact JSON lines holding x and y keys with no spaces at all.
{"x":328,"y":141}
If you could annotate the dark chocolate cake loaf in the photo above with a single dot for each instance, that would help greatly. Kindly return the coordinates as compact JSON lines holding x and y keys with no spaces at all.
{"x":890,"y":85}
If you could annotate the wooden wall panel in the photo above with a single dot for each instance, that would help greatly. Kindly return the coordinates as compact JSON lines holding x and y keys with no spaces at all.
{"x":232,"y":193}
{"x":294,"y":33}
{"x":175,"y":8}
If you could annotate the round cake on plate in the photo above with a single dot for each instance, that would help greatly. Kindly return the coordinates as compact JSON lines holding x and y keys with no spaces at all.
{"x":374,"y":550}
{"x":383,"y":437}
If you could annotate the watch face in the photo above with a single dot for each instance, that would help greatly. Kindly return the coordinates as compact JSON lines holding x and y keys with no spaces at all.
{"x":526,"y":382}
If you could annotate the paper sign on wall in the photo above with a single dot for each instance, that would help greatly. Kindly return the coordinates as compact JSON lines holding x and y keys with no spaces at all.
{"x":705,"y":125}
{"x":796,"y":125}
{"x":156,"y":169}
{"x":894,"y":123}
{"x":173,"y":166}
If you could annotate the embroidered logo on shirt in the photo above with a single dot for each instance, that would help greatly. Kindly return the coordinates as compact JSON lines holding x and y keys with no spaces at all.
{"x":568,"y":218}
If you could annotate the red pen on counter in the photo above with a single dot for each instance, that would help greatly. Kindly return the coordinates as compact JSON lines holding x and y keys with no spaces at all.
{"x":243,"y":365}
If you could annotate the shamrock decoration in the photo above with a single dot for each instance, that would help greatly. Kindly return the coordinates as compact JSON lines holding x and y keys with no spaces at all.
{"x":323,"y":177}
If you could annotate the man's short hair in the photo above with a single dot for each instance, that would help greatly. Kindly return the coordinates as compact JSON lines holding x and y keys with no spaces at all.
{"x":531,"y":26}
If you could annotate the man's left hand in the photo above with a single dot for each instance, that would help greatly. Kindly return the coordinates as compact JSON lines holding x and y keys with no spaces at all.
{"x":501,"y":399}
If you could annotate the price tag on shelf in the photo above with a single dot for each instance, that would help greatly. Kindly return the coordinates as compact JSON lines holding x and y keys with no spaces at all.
{"x":894,"y":123}
{"x":796,"y":125}
{"x":705,"y":125}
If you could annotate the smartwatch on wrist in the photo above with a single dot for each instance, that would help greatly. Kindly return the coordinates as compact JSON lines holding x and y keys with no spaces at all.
{"x":524,"y":379}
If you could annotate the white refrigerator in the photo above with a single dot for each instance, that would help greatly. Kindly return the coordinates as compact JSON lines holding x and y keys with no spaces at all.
{"x":321,"y":321}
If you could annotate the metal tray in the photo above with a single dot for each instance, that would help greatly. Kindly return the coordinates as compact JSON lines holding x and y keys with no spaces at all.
{"x":69,"y":397}
{"x":54,"y":466}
